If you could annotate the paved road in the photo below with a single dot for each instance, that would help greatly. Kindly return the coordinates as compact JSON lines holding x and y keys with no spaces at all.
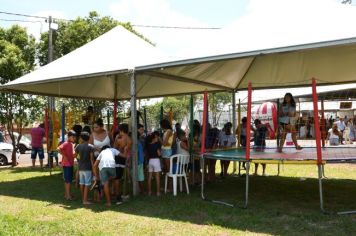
{"x":25,"y":160}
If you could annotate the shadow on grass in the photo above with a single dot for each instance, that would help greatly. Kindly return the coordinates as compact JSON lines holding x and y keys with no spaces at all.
{"x":277,"y":205}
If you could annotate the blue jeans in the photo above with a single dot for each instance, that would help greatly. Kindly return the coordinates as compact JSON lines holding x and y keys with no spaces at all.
{"x":38,"y":150}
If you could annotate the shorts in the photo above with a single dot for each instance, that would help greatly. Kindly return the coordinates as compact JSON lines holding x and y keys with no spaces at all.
{"x":334,"y":141}
{"x":154,"y":165}
{"x":106,"y":173}
{"x":38,"y":150}
{"x":120,"y":166}
{"x":140,"y":174}
{"x":85,"y":177}
{"x":166,"y":153}
{"x":68,"y":174}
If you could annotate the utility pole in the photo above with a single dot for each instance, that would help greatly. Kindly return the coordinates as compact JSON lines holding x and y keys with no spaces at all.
{"x":51,"y":101}
{"x":50,"y":41}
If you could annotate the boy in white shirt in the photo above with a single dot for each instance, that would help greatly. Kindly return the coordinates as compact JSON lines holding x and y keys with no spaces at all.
{"x":106,"y":164}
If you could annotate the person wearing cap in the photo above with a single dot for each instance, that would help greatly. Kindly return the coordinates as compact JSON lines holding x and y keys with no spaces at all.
{"x":66,"y":149}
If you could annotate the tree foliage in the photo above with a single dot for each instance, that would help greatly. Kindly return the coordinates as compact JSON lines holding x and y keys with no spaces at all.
{"x":179,"y":106}
{"x":74,"y":34}
{"x":17,"y":57}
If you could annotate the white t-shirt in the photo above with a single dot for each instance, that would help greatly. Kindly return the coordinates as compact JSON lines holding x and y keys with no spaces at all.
{"x":107,"y":158}
{"x":180,"y":150}
{"x":226,"y":140}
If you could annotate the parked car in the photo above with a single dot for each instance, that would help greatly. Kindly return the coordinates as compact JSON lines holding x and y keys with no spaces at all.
{"x":23,"y":145}
{"x":6,"y":153}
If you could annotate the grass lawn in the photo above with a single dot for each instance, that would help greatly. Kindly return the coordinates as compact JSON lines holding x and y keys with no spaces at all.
{"x":31,"y":203}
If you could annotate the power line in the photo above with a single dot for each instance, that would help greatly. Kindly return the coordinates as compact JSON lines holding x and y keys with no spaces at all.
{"x":135,"y":25}
{"x":18,"y":14}
{"x":30,"y":21}
{"x":32,"y":16}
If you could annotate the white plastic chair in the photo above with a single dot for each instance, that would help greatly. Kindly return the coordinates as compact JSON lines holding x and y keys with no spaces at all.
{"x":181,"y":164}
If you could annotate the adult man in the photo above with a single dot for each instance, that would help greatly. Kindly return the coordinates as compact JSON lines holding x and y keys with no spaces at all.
{"x":37,"y":135}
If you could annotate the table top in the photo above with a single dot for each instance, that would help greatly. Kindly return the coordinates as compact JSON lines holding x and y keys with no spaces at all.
{"x":329,"y":154}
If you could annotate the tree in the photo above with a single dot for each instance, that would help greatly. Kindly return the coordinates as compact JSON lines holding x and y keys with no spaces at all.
{"x":217,"y":102}
{"x":17,"y":57}
{"x":179,"y":106}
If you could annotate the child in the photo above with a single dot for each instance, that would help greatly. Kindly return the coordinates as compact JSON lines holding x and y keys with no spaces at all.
{"x":67,"y":151}
{"x":127,"y":141}
{"x":260,"y":134}
{"x":334,"y":135}
{"x":120,"y":160}
{"x":106,"y":164}
{"x":154,"y":162}
{"x":84,"y":152}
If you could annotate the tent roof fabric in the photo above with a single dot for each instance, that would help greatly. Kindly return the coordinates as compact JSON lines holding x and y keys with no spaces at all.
{"x":329,"y":62}
{"x":93,"y":70}
{"x":90,"y":71}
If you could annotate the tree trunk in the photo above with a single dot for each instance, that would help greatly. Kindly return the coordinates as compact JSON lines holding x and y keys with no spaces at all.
{"x":14,"y":157}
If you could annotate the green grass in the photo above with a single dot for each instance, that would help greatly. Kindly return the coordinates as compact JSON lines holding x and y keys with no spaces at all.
{"x":31,"y":203}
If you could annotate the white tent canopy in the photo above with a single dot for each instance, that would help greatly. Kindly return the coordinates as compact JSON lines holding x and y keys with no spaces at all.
{"x":91,"y":71}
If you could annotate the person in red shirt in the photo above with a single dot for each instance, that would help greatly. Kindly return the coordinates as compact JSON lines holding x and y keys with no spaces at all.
{"x":66,"y":149}
{"x":37,"y":135}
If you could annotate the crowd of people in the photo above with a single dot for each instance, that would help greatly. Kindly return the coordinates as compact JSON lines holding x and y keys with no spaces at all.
{"x":104,"y":157}
{"x":99,"y":160}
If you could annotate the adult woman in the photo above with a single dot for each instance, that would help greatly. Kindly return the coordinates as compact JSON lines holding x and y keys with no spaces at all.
{"x":99,"y":137}
{"x":287,"y":113}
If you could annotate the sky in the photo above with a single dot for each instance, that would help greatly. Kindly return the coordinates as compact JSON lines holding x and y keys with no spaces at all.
{"x":244,"y":25}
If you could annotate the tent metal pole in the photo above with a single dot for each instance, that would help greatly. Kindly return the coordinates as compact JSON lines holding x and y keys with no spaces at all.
{"x":323,"y":124}
{"x":145,"y":120}
{"x":318,"y":142}
{"x":132,"y":76}
{"x":247,"y":183}
{"x":233,"y":101}
{"x":63,"y":122}
{"x":320,"y":177}
{"x":161,"y":118}
{"x":239,"y":131}
{"x":115,"y":106}
{"x":191,"y":134}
